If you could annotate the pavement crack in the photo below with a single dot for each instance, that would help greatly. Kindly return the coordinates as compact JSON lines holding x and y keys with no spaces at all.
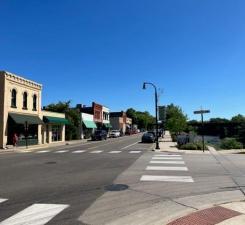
{"x":179,"y":203}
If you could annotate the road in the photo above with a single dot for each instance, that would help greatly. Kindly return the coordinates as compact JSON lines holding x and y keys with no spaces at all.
{"x":66,"y":185}
{"x":71,"y":177}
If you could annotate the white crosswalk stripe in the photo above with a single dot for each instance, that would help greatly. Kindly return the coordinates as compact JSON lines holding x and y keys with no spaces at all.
{"x":96,"y":152}
{"x":167,"y":162}
{"x":78,"y":151}
{"x":161,"y":163}
{"x":3,"y":200}
{"x":167,"y":168}
{"x":168,"y":158}
{"x":167,"y":178}
{"x":43,"y":151}
{"x":61,"y":151}
{"x":135,"y":152}
{"x":36,"y":214}
{"x":115,"y":152}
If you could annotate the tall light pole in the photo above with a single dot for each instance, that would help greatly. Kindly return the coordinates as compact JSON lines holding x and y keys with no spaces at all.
{"x":156,"y":100}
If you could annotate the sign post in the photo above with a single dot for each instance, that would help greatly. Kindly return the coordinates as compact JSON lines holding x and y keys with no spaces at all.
{"x":26,"y":133}
{"x":202,"y":112}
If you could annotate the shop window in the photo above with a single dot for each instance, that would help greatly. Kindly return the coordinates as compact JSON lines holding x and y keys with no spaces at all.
{"x":34,"y":108}
{"x":13,"y":98}
{"x":25,"y":100}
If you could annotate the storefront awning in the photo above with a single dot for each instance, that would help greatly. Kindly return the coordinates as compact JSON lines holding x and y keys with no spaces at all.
{"x":89,"y":124}
{"x":107,"y":125}
{"x":55,"y":120}
{"x":22,"y":119}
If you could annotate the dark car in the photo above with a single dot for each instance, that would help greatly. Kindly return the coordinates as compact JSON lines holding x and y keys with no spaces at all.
{"x":99,"y":135}
{"x":148,"y":137}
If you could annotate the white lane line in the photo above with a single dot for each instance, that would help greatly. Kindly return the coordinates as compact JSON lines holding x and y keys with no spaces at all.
{"x":43,"y":151}
{"x":164,"y":155}
{"x":36,"y":214}
{"x":3,"y":200}
{"x":129,"y":145}
{"x":78,"y":151}
{"x":187,"y":179}
{"x":135,"y":152}
{"x":167,"y":168}
{"x":96,"y":152}
{"x":115,"y":152}
{"x":62,"y":151}
{"x":167,"y":162}
{"x":167,"y":158}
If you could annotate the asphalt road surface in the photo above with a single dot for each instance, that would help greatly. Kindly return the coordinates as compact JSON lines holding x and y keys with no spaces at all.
{"x":55,"y":186}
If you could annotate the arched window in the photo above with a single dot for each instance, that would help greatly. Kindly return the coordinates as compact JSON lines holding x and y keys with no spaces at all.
{"x":13,"y":98}
{"x":34,"y":108}
{"x":25,"y":100}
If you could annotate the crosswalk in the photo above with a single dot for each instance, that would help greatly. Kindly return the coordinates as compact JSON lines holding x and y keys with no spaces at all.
{"x":35,"y":214}
{"x":87,"y":151}
{"x":165,"y":164}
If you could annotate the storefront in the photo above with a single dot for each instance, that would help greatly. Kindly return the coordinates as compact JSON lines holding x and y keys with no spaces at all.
{"x":54,"y":128}
{"x":25,"y":127}
{"x":88,"y":126}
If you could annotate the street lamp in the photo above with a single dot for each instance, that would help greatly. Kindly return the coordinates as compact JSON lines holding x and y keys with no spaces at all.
{"x":156,"y":100}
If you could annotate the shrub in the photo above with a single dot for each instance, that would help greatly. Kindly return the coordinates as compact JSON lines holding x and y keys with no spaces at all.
{"x":230,"y":143}
{"x":192,"y":146}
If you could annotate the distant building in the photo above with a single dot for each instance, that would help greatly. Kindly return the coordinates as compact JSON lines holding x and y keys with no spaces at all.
{"x":93,"y":117}
{"x":120,"y":121}
{"x":21,"y":114}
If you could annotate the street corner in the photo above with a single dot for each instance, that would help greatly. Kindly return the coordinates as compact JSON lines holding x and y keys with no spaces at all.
{"x":225,"y":214}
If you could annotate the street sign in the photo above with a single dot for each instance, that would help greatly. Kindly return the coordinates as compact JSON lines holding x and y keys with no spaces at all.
{"x":201,"y":111}
{"x":162,"y":113}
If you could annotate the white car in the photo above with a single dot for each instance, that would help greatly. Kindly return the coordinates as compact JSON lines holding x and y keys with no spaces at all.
{"x":114,"y":134}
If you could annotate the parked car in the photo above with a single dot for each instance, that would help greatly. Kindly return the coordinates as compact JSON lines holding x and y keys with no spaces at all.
{"x":99,"y":135}
{"x":148,"y":137}
{"x":114,"y":134}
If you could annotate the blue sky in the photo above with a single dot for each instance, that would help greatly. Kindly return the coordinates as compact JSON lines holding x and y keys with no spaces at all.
{"x":103,"y":50}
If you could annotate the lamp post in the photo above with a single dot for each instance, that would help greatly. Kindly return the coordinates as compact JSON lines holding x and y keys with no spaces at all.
{"x":156,"y":100}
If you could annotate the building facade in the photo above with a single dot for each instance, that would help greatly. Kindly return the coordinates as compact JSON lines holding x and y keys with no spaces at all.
{"x":21,"y":114}
{"x":120,"y":121}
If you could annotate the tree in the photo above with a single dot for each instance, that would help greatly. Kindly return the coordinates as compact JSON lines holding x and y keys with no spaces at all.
{"x":176,"y":120}
{"x":71,"y":114}
{"x":144,"y":120}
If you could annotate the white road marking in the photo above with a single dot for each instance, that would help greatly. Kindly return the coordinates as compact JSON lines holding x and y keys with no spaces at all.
{"x":164,"y":155}
{"x":167,"y":162}
{"x":3,"y":200}
{"x":167,"y":168}
{"x":135,"y":152}
{"x":96,"y":151}
{"x":62,"y":151}
{"x":43,"y":151}
{"x":167,"y":158}
{"x":167,"y":178}
{"x":129,"y":145}
{"x":115,"y":152}
{"x":78,"y":151}
{"x":36,"y":214}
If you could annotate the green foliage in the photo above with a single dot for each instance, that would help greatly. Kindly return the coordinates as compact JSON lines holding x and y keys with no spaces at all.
{"x":176,"y":120}
{"x":143,"y":119}
{"x":71,"y":114}
{"x":193,"y":146}
{"x":231,"y":143}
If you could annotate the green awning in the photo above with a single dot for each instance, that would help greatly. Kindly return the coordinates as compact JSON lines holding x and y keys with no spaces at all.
{"x":55,"y":120}
{"x":107,"y":125}
{"x":22,"y":119}
{"x":89,"y":124}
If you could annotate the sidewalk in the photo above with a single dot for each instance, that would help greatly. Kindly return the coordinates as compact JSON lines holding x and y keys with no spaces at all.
{"x":167,"y":145}
{"x":43,"y":146}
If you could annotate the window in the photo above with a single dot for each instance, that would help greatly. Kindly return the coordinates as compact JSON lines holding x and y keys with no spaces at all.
{"x":34,"y":108}
{"x":13,"y":98}
{"x":25,"y":100}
